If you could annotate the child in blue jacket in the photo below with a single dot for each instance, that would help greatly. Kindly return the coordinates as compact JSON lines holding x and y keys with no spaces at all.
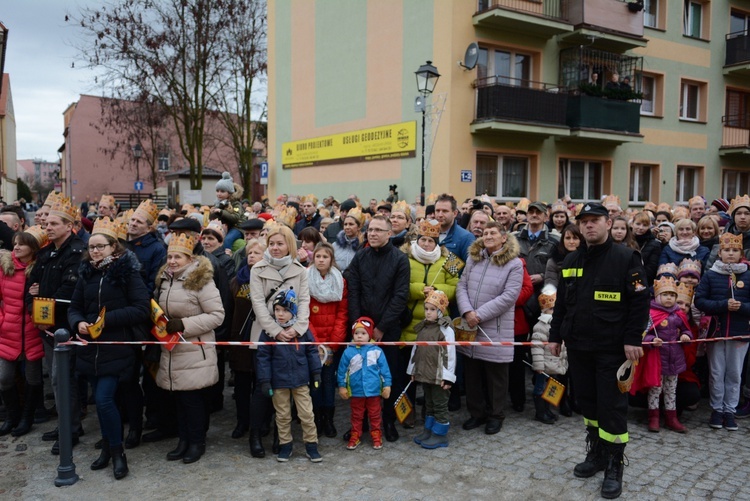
{"x":285,"y":371}
{"x":364,"y":376}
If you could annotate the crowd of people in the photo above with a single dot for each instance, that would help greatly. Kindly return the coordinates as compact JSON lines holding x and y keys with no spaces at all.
{"x":590,"y":286}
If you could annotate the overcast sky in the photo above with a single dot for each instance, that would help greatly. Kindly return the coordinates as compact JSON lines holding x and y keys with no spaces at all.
{"x":43,"y":83}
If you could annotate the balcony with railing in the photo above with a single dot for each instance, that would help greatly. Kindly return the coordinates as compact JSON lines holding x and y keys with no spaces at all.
{"x":543,"y":18}
{"x":735,"y":135}
{"x":737,"y":61}
{"x":615,"y":25}
{"x":508,"y":105}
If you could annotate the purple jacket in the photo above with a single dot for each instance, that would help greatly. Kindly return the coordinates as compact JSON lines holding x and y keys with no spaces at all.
{"x":490,"y":286}
{"x":672,"y":355}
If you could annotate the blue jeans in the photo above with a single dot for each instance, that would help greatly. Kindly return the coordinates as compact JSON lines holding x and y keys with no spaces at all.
{"x":106,"y":409}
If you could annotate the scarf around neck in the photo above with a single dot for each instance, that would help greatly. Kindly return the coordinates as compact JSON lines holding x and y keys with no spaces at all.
{"x":281,"y":264}
{"x":423,"y":256}
{"x":328,"y":289}
{"x":728,"y":268}
{"x":684,"y":246}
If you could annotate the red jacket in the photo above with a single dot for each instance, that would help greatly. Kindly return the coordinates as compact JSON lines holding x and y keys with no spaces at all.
{"x":521,"y":327}
{"x":17,"y":333}
{"x":330,"y":321}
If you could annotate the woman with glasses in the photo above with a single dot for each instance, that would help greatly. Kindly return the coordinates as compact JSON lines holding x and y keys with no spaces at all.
{"x":109,"y":282}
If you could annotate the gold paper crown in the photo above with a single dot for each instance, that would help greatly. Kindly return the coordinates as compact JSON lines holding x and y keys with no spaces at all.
{"x":680,"y":213}
{"x":217,"y":227}
{"x":439,"y":300}
{"x":105,"y":226}
{"x":579,"y":207}
{"x":523,"y":205}
{"x":310,"y":198}
{"x":737,"y":202}
{"x":689,"y":267}
{"x":124,"y":217}
{"x":664,"y":284}
{"x":547,"y":301}
{"x":39,"y":233}
{"x":420,"y":212}
{"x":664,"y":207}
{"x":696,"y":200}
{"x":611,"y":200}
{"x":356,"y":213}
{"x":148,"y":210}
{"x":288,"y":216}
{"x":107,"y":200}
{"x":650,"y":206}
{"x":429,"y":228}
{"x":558,"y":207}
{"x":667,"y":269}
{"x":64,"y":209}
{"x":166,"y":212}
{"x":685,"y":293}
{"x":730,"y":241}
{"x":53,"y":197}
{"x":402,"y":206}
{"x":431,"y":199}
{"x":181,"y":243}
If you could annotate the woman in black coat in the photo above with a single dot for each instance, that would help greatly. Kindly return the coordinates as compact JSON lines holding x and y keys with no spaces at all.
{"x":649,"y":246}
{"x":109,"y":277}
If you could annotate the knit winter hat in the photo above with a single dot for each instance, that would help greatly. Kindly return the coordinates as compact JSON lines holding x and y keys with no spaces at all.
{"x":287,"y":299}
{"x":225,"y":183}
{"x":365,"y":323}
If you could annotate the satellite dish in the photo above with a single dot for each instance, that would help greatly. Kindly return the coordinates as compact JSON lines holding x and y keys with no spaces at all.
{"x":471,"y":56}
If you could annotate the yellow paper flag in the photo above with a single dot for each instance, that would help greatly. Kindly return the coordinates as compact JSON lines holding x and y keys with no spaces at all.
{"x":43,"y":311}
{"x":95,"y":329}
{"x":553,"y":392}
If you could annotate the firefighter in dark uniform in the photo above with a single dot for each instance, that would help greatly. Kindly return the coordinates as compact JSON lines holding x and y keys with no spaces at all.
{"x":601,"y":312}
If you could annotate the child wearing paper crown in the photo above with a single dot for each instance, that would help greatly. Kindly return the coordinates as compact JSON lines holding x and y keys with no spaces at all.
{"x":364,"y":376}
{"x":724,"y":291}
{"x":542,"y":358}
{"x":669,"y":324}
{"x":285,"y":371}
{"x":435,"y":368}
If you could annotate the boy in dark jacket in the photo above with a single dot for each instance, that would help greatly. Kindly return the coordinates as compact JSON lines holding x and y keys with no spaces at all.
{"x":284,"y":371}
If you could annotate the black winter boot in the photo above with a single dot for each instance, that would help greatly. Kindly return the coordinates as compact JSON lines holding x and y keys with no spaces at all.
{"x":612,"y":485}
{"x":596,"y":456}
{"x":542,"y":412}
{"x":256,"y":444}
{"x":12,"y":410}
{"x":194,"y":453}
{"x":33,"y":394}
{"x":104,"y":457}
{"x":329,"y":429}
{"x":119,"y":462}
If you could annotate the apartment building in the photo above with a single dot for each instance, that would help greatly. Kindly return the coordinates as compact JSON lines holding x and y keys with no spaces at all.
{"x":647,"y":100}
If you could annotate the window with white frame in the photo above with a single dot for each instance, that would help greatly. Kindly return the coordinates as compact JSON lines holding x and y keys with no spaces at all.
{"x":581,"y":179}
{"x":688,"y":179}
{"x":502,"y":176}
{"x":163,"y":161}
{"x":641,"y":176}
{"x":648,"y":89}
{"x":651,"y":13}
{"x":739,"y":22}
{"x":735,"y":183}
{"x":507,"y":66}
{"x":690,"y":100}
{"x":693,"y":19}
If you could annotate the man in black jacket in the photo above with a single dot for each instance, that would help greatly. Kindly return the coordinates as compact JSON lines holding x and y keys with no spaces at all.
{"x":54,"y":276}
{"x":378,"y":281}
{"x":601,"y":312}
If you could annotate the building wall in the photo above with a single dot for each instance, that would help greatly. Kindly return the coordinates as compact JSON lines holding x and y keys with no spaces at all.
{"x":338,"y":66}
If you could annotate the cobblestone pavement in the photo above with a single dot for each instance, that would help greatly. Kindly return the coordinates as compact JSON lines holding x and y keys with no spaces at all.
{"x":526,"y":460}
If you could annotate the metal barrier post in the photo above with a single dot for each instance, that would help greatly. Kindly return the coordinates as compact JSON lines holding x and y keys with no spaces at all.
{"x":66,"y":470}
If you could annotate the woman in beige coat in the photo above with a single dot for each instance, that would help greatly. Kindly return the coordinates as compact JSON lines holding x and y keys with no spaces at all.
{"x":279,"y":269}
{"x":186,"y":292}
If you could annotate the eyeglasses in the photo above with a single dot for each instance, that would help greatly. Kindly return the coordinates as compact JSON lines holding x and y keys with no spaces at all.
{"x":376,"y":230}
{"x":99,"y":247}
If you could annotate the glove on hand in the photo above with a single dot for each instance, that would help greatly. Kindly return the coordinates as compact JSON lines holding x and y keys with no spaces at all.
{"x":315,"y":382}
{"x":175,"y":325}
{"x":265,"y":388}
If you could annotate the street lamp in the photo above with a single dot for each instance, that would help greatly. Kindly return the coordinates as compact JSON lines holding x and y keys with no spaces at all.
{"x":427,"y":77}
{"x":137,"y":154}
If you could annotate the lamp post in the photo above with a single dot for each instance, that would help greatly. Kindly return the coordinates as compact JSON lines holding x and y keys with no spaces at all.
{"x":137,"y":154}
{"x":427,"y":77}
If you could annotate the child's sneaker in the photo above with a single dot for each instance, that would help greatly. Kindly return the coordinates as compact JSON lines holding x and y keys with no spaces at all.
{"x":377,"y":439}
{"x":743,"y":411}
{"x":285,"y":452}
{"x":353,"y":442}
{"x":717,"y":420}
{"x":729,"y":422}
{"x":311,"y":451}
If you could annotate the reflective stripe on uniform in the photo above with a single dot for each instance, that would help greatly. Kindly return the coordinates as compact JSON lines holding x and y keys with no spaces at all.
{"x":572,"y":272}
{"x":591,"y":422}
{"x":614,"y":439}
